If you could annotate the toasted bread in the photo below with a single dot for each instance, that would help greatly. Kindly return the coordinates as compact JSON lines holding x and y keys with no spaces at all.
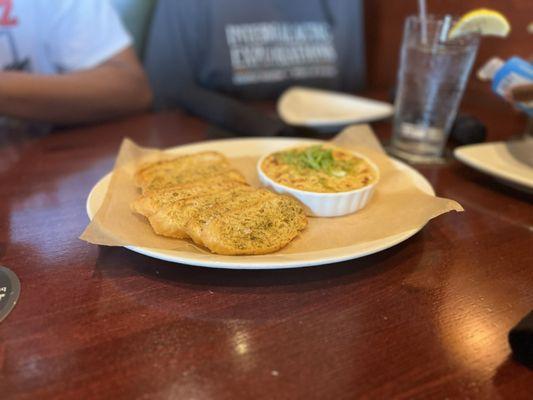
{"x":262,"y":228}
{"x":149,"y":204}
{"x":171,"y":220}
{"x":163,"y":182}
{"x":201,"y":197}
{"x":147,"y":172}
{"x":185,"y":169}
{"x":222,"y":207}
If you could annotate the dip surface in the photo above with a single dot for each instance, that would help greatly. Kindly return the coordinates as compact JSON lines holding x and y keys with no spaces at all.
{"x":319,"y":168}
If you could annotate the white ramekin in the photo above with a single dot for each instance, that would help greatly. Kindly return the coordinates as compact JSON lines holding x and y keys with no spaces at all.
{"x":325,"y":204}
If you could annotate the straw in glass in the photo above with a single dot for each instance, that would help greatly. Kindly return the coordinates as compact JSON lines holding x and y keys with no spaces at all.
{"x":423,"y":18}
{"x":445,"y":28}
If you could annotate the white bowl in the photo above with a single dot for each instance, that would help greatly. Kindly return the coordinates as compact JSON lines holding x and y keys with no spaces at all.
{"x":325,"y":204}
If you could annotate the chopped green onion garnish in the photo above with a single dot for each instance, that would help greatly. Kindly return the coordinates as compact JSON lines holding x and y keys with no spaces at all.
{"x":314,"y":157}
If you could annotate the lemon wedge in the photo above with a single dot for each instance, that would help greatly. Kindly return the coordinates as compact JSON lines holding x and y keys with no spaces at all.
{"x":482,"y":20}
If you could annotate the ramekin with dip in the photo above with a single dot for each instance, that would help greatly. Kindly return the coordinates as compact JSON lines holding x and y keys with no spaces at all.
{"x":329,"y":180}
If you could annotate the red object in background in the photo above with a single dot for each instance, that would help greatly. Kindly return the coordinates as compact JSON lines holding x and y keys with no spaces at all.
{"x":6,"y":18}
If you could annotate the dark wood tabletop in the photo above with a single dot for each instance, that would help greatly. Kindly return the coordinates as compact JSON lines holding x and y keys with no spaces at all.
{"x":427,"y":318}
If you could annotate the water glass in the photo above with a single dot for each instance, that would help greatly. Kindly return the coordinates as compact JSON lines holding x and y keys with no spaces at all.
{"x":431,"y":80}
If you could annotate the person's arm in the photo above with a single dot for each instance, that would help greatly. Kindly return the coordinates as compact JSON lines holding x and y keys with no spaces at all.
{"x":114,"y":88}
{"x":227,"y":113}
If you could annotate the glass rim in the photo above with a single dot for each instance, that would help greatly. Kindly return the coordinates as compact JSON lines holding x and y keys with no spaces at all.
{"x":432,"y":18}
{"x":435,"y":21}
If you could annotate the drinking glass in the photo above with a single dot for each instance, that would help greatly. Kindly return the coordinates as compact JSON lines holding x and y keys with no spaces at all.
{"x":431,"y":80}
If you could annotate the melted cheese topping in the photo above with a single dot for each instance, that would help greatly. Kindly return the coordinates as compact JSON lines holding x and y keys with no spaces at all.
{"x":322,"y":169}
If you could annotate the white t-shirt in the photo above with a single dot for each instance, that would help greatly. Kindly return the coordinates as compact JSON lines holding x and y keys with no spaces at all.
{"x":54,"y":36}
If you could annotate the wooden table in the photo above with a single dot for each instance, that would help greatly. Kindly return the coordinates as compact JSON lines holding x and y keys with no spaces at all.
{"x":426,"y":319}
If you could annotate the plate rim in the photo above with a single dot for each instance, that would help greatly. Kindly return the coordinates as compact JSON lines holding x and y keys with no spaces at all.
{"x":473,"y":162}
{"x":161,"y":254}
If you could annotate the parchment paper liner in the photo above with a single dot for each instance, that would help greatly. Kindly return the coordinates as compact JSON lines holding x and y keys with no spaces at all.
{"x":397,"y":206}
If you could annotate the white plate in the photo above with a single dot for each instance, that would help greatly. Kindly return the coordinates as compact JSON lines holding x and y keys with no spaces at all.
{"x":496,"y":160}
{"x":258,"y":147}
{"x":315,"y":108}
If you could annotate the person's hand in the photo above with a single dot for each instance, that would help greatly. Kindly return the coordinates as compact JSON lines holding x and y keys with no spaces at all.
{"x":521,"y":93}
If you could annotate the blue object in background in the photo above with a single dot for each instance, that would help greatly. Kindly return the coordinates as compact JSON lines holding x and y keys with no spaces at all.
{"x":514,"y":72}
